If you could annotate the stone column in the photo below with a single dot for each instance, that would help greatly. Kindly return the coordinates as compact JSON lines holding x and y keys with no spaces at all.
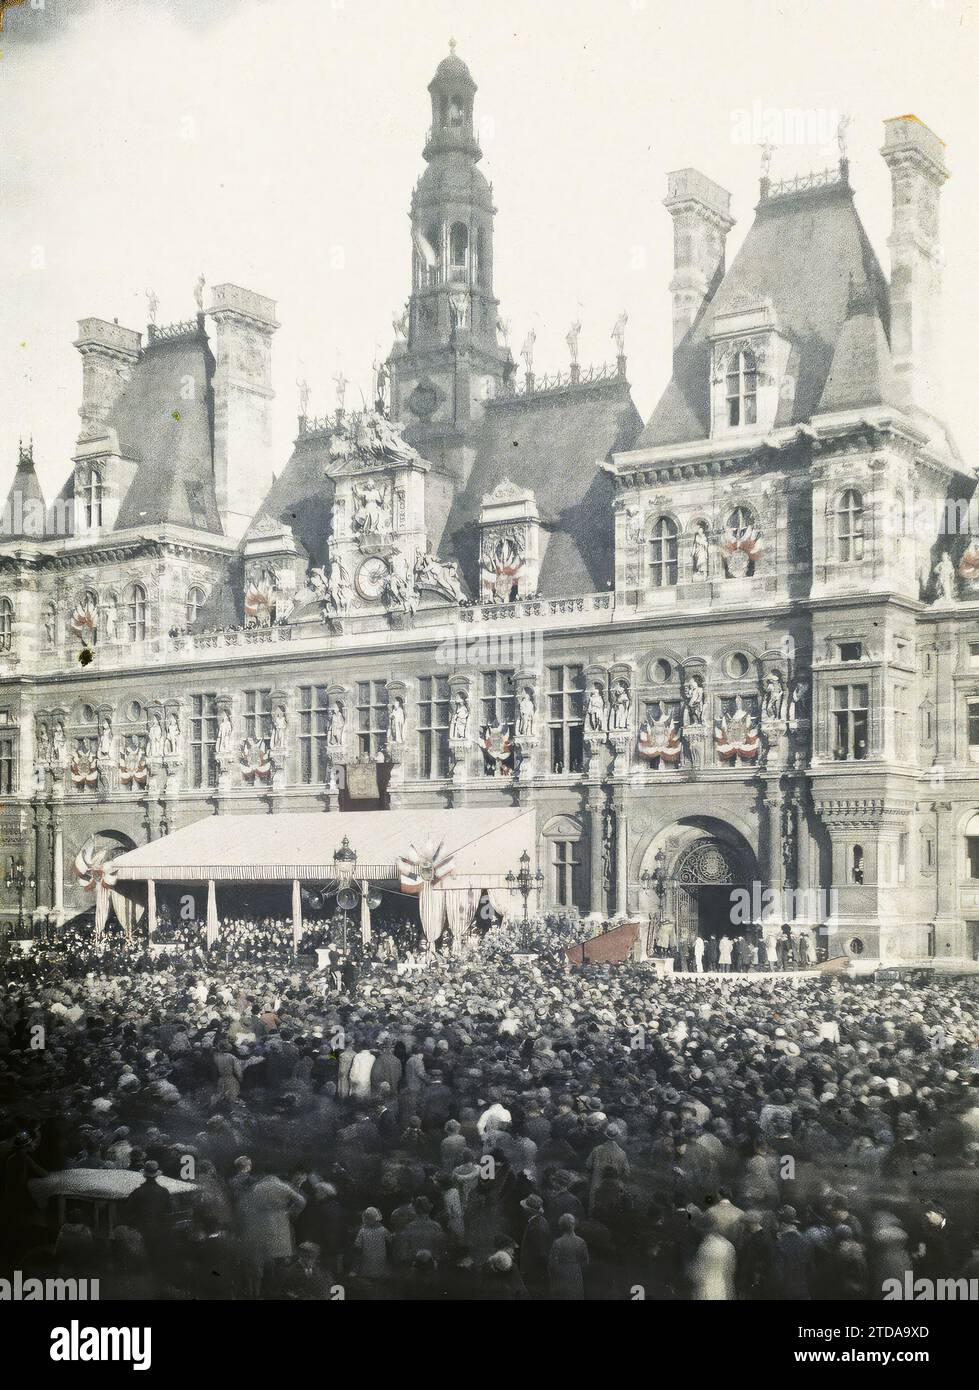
{"x":40,"y":857}
{"x":596,"y":894}
{"x":150,"y":908}
{"x":774,"y":802}
{"x":948,"y":928}
{"x":621,"y":858}
{"x":58,"y":866}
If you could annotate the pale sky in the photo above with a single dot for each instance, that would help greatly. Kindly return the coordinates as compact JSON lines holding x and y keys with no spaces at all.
{"x":275,"y":143}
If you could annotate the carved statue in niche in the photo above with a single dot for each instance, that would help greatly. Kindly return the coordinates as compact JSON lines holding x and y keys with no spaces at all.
{"x":700,"y":552}
{"x":944,"y":577}
{"x":280,"y":727}
{"x":693,"y":699}
{"x":171,"y":744}
{"x":527,"y":714}
{"x":774,"y":700}
{"x":337,"y":724}
{"x":368,"y":517}
{"x":396,"y":721}
{"x":459,"y":727}
{"x":156,"y":741}
{"x":106,"y":739}
{"x":226,"y":733}
{"x":595,"y":709}
{"x":619,"y":708}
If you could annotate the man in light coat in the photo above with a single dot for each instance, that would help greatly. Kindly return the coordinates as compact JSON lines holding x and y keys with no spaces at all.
{"x":266,"y":1212}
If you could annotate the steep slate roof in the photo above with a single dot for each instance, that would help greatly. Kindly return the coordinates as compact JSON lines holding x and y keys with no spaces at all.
{"x":25,"y":492}
{"x":801,"y":252}
{"x":861,"y":373}
{"x":550,"y":442}
{"x":168,"y":436}
{"x":301,"y":497}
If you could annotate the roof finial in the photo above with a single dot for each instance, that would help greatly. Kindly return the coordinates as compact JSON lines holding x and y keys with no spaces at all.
{"x":452,"y":45}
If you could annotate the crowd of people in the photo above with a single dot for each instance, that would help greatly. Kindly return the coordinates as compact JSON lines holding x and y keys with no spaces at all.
{"x":483,"y":1126}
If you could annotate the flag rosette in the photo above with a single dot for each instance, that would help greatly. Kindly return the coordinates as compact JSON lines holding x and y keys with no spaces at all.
{"x":736,"y":737}
{"x":84,"y":621}
{"x":92,"y":870}
{"x":428,"y":865}
{"x":659,"y":745}
{"x":258,"y":603}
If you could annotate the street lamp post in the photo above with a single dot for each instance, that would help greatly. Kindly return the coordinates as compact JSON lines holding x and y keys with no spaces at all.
{"x":525,"y":881}
{"x":344,"y":860}
{"x":18,"y":880}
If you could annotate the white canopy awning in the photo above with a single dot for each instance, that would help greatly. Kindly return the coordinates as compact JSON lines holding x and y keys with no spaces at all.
{"x":484,"y":843}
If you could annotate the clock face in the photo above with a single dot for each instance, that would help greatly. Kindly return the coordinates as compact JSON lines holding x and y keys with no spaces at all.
{"x":371,"y":576}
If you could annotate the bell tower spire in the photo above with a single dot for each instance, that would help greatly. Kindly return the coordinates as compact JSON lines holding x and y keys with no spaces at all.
{"x":449,"y":360}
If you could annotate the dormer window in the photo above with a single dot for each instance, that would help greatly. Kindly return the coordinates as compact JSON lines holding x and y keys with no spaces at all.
{"x":741,"y":389}
{"x":90,"y":496}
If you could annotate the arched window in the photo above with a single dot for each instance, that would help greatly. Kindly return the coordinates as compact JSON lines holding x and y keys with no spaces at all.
{"x":6,"y":624}
{"x":663,"y":553}
{"x":741,"y":389}
{"x":740,"y":524}
{"x":196,"y":599}
{"x":972,"y":846}
{"x":856,"y":864}
{"x":459,"y":248}
{"x":136,"y":609}
{"x":849,"y":526}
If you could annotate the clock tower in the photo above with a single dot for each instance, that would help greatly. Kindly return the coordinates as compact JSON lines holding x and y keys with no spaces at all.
{"x":447,"y":360}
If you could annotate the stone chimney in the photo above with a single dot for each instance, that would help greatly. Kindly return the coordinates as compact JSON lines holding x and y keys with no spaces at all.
{"x":242,"y":344}
{"x":109,"y":352}
{"x":916,"y":159}
{"x":701,"y":212}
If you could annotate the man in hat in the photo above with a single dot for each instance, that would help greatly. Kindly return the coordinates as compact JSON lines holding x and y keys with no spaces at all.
{"x":535,"y":1245}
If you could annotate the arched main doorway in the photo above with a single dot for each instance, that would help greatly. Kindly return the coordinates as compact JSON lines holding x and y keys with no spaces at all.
{"x":706,"y":874}
{"x":703,"y":868}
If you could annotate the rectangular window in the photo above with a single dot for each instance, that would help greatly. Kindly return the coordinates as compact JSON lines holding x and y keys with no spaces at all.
{"x":972,"y":846}
{"x":372,"y":717}
{"x":902,"y":857}
{"x":433,"y":726}
{"x":314,"y":720}
{"x":203,"y":737}
{"x":973,"y":656}
{"x":258,"y":711}
{"x":565,"y":716}
{"x":8,"y":779}
{"x":973,"y":716}
{"x":564,"y":863}
{"x":851,"y":651}
{"x":850,"y":722}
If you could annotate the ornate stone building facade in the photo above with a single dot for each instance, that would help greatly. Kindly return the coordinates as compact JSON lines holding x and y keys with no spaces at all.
{"x":732,"y":650}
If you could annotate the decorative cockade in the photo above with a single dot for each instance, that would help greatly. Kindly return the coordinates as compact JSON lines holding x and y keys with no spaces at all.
{"x":428,"y":865}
